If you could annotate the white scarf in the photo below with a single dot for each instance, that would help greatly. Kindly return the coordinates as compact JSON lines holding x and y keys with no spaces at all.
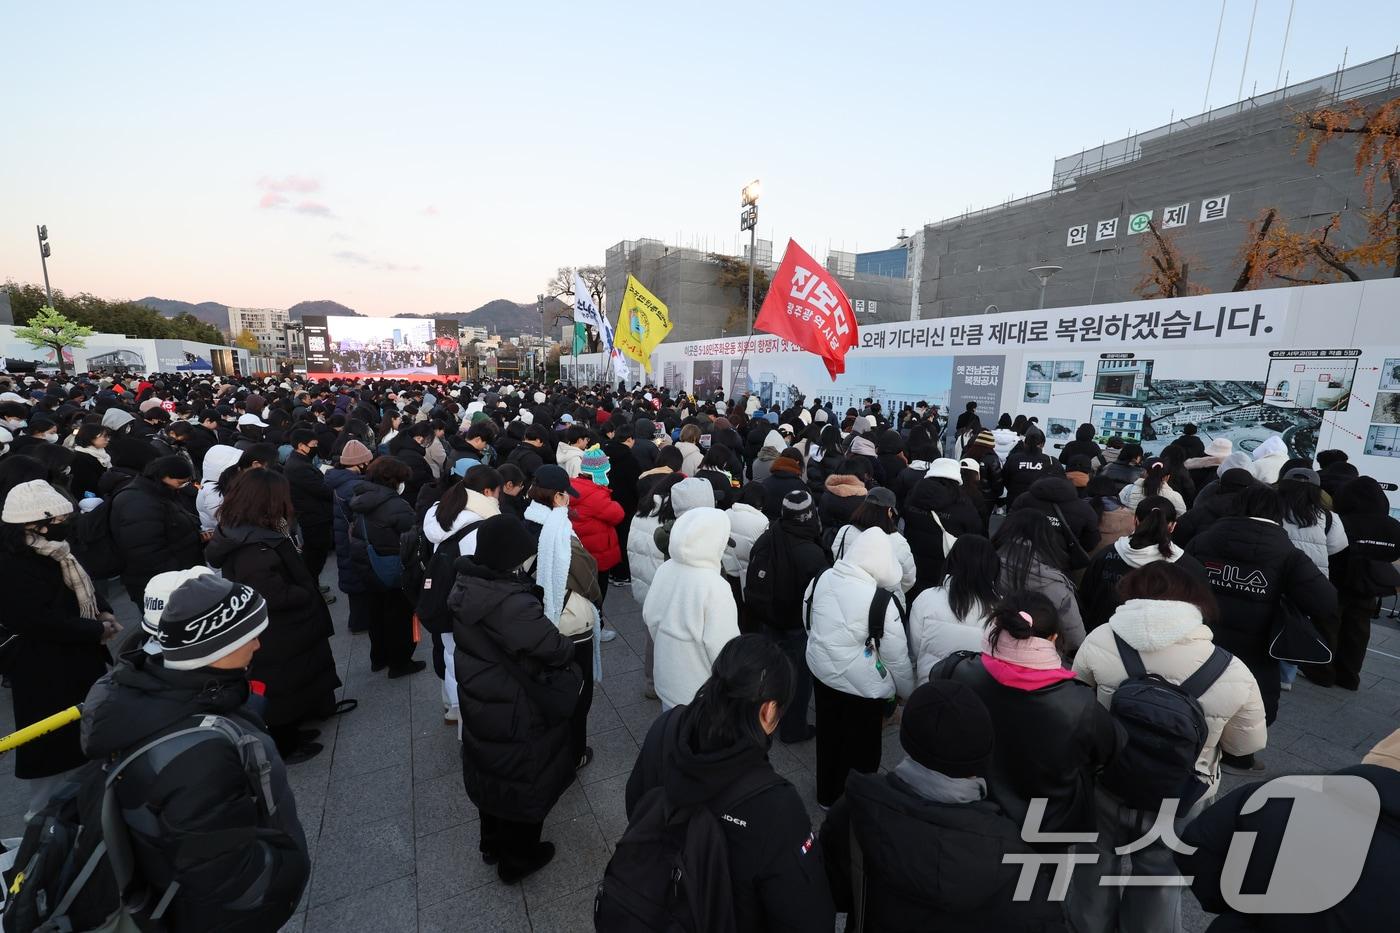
{"x":98,"y":454}
{"x":554,"y":555}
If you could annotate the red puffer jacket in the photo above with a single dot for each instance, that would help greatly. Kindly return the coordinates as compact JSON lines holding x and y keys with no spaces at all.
{"x":595,"y":517}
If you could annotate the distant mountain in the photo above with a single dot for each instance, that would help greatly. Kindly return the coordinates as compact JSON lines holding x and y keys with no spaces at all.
{"x":324,"y":306}
{"x":210,"y":312}
{"x":501,"y":316}
{"x":504,"y":317}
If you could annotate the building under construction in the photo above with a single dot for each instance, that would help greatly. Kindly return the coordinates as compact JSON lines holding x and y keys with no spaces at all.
{"x":1201,"y":180}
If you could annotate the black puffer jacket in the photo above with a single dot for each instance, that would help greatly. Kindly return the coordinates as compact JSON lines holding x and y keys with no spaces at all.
{"x":1252,"y":566}
{"x":515,"y":762}
{"x":1365,"y":568}
{"x":777,"y":878}
{"x":237,"y":870}
{"x":1098,"y":590}
{"x":929,"y":865}
{"x":789,"y":554}
{"x":155,"y":532}
{"x":925,"y":538}
{"x":1024,"y":468}
{"x":1051,"y":742}
{"x":406,"y":448}
{"x":1215,"y":502}
{"x":1370,"y":904}
{"x":1119,"y":474}
{"x":1083,"y":445}
{"x":312,"y":499}
{"x":381,"y":514}
{"x":54,"y":661}
{"x":295,"y":660}
{"x":1052,"y":491}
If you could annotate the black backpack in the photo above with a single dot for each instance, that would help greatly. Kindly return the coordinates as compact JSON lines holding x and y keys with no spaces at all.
{"x":439,"y":574}
{"x":94,"y":544}
{"x":769,"y":577}
{"x":670,"y":870}
{"x":875,"y":617}
{"x":75,"y":870}
{"x":1166,"y":730}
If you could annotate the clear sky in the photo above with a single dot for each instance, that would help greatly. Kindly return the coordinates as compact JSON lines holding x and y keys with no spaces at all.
{"x":418,"y":156}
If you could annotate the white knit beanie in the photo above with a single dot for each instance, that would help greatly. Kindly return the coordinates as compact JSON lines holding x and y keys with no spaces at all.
{"x":34,"y":501}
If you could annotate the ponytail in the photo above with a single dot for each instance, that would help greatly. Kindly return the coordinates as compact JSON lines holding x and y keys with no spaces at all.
{"x":1155,"y":516}
{"x":1022,"y":615}
{"x":1153,"y":478}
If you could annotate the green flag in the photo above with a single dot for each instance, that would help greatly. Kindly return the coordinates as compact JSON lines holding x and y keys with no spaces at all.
{"x":580,"y":334}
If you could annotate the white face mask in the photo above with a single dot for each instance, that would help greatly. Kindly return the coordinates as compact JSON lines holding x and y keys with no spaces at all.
{"x":50,"y":438}
{"x":402,"y":487}
{"x":15,"y":423}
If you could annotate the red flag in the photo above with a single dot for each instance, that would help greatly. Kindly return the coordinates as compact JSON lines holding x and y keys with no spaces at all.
{"x":806,"y":306}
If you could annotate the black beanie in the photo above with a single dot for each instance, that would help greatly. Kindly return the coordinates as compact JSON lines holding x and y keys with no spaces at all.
{"x":946,"y":728}
{"x":208,"y":618}
{"x":502,"y":543}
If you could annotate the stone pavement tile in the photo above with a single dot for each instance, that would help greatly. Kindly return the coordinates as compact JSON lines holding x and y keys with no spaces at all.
{"x":449,"y":863}
{"x":572,"y":913}
{"x":1281,"y":735}
{"x":294,"y":925}
{"x":571,"y":804}
{"x":386,"y":908}
{"x":435,"y":753}
{"x":491,"y":908}
{"x":608,"y":801}
{"x":383,"y":794}
{"x":637,"y":714}
{"x":624,"y":688}
{"x":806,"y":753}
{"x":1324,"y":754}
{"x":613,"y":753}
{"x":441,"y":803}
{"x":602,"y":715}
{"x":579,"y":858}
{"x":619,"y":658}
{"x":369,"y":853}
{"x":783,"y":759}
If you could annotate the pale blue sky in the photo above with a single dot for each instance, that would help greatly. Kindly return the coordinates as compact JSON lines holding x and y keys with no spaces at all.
{"x":418,"y":156}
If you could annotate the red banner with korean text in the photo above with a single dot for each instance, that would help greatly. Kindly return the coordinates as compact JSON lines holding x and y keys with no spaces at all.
{"x":807,"y":306}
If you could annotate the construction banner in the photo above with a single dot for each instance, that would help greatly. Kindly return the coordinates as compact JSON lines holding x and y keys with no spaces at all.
{"x":642,"y":323}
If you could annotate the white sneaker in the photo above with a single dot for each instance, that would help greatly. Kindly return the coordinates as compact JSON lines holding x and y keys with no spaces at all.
{"x":451,"y":714}
{"x":607,"y":635}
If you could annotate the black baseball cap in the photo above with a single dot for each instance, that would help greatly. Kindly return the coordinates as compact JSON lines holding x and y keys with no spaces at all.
{"x":555,"y":478}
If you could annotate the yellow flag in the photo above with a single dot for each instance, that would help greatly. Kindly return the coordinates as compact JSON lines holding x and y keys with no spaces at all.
{"x":642,"y":324}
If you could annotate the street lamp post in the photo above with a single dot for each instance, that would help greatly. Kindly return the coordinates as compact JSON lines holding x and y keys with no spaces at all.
{"x":1043,"y":273}
{"x":748,"y":220}
{"x":44,"y":254}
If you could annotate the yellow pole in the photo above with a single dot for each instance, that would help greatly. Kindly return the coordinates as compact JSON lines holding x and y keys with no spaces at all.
{"x":42,"y":727}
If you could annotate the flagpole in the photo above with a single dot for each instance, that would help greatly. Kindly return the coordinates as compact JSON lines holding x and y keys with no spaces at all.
{"x":748,"y":200}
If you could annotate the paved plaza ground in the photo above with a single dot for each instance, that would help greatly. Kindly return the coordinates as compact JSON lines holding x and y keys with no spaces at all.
{"x":394,"y":839}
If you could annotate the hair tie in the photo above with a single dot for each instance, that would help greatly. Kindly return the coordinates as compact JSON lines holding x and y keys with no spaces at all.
{"x":1027,"y":616}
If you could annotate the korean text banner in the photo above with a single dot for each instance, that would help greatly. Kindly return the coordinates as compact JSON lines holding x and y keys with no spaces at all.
{"x":806,"y":306}
{"x":642,"y":323}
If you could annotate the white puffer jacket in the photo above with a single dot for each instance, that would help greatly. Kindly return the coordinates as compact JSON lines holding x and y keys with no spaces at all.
{"x":643,"y":556}
{"x":478,"y":508}
{"x":746,"y":523}
{"x":1269,"y":458}
{"x":840,"y":612}
{"x":690,"y":609}
{"x":1005,"y":440}
{"x":1132,"y":494}
{"x":936,"y":631}
{"x":691,"y":457}
{"x":908,"y":572}
{"x":1318,"y":541}
{"x":207,"y":501}
{"x":1174,"y":643}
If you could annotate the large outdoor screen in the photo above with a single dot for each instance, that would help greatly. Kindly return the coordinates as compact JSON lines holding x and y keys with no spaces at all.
{"x":405,"y":348}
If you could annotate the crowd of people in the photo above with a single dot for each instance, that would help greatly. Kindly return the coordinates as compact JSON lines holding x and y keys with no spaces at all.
{"x":1069,"y":639}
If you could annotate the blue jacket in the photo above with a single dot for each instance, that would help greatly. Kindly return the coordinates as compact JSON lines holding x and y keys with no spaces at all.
{"x":343,"y":483}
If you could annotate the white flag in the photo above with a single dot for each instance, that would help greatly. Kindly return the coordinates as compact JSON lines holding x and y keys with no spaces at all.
{"x":585,"y":310}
